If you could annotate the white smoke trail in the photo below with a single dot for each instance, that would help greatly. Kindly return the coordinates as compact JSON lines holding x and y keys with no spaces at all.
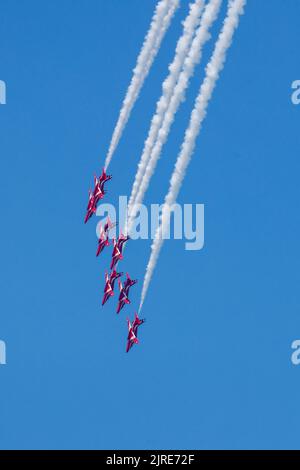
{"x":178,"y":95}
{"x":182,"y":48}
{"x":213,"y":69}
{"x":160,"y":23}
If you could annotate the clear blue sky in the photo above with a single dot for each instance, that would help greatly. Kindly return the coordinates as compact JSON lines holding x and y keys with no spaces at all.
{"x":213,"y":368}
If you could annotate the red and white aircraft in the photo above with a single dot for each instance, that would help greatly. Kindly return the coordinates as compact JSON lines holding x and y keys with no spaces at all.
{"x":99,"y":185}
{"x":109,"y":285}
{"x":103,"y":178}
{"x":91,"y":207}
{"x":97,"y":194}
{"x":133,"y":331}
{"x":124,"y":292}
{"x":104,"y":235}
{"x":118,"y":250}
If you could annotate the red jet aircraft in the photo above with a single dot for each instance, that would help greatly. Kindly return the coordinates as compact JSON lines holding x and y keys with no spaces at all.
{"x":124,"y":292}
{"x":91,"y":207}
{"x":118,"y":249}
{"x":133,"y":331}
{"x":109,"y":285}
{"x":97,"y":194}
{"x":99,"y":185}
{"x":104,"y":234}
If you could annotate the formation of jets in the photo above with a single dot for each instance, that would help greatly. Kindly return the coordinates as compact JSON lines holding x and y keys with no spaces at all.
{"x":95,"y":197}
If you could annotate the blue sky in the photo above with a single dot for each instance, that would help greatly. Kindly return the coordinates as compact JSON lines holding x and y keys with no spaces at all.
{"x":213,"y":369}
